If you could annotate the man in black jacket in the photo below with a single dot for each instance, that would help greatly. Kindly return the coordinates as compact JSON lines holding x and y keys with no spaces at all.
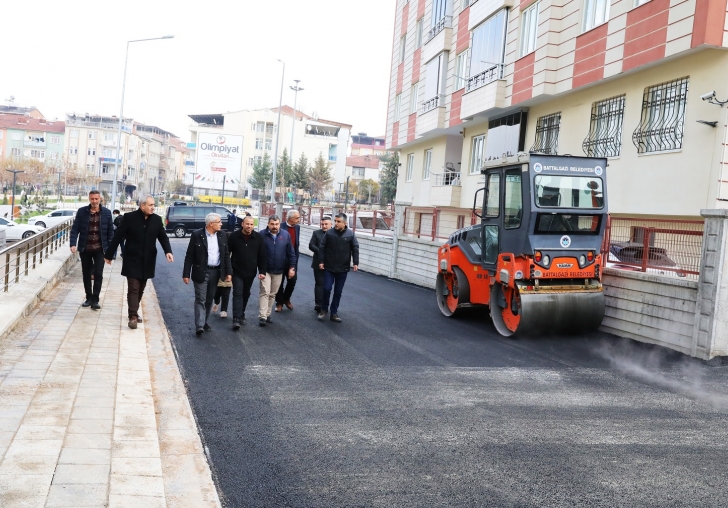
{"x":338,"y":248}
{"x":247,"y":250}
{"x":117,"y":222}
{"x":318,"y":274}
{"x":93,"y":231}
{"x":208,"y":261}
{"x":285,"y":291}
{"x":141,"y":230}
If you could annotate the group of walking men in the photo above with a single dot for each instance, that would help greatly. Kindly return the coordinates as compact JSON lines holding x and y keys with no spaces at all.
{"x":270,"y":255}
{"x":215,"y":258}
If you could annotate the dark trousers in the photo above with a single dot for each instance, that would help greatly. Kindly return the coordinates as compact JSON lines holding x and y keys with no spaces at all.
{"x":92,"y":263}
{"x":318,"y":288}
{"x":241,"y":295}
{"x":222,"y":297}
{"x":286,"y":290}
{"x":204,"y":295}
{"x":134,"y":293}
{"x":335,"y":280}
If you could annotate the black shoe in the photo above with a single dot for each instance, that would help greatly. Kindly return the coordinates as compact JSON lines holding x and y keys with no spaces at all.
{"x":236,"y":326}
{"x":199,"y":331}
{"x":335,"y":318}
{"x":317,"y":308}
{"x":86,"y":303}
{"x":95,"y":305}
{"x":269,"y":320}
{"x":321,"y":315}
{"x":261,"y":321}
{"x":207,"y":328}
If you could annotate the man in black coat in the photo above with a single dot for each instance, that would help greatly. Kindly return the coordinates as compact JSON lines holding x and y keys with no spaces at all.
{"x":247,"y":250}
{"x":318,"y":274}
{"x":207,"y":261}
{"x":285,"y":291}
{"x":338,"y":248}
{"x":92,"y":231}
{"x":140,"y":229}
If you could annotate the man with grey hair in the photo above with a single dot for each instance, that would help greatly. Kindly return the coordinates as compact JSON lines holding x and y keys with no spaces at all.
{"x":207,"y":261}
{"x":140,"y":229}
{"x":280,"y":259}
{"x":285,"y":291}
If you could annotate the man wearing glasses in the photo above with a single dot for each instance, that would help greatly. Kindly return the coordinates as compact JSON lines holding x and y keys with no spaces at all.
{"x":338,"y":250}
{"x":207,"y":261}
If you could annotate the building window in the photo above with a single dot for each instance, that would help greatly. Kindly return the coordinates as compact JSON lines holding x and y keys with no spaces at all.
{"x":250,"y":161}
{"x":55,"y":140}
{"x":260,"y":126}
{"x":476,"y":154}
{"x":91,"y":151}
{"x":110,"y":136}
{"x":427,"y":165}
{"x":258,"y":143}
{"x":637,"y":3}
{"x":15,"y":152}
{"x":257,"y":159}
{"x":74,"y":133}
{"x":16,"y":136}
{"x":418,"y":33}
{"x":605,"y":130}
{"x":663,"y":117}
{"x":435,"y":74}
{"x":105,"y":169}
{"x":596,"y":12}
{"x":410,"y":167}
{"x":414,"y":97}
{"x":461,"y":69}
{"x":402,"y":48}
{"x":53,"y":156}
{"x":487,"y":51}
{"x":397,"y":107}
{"x":357,"y":172}
{"x":529,"y":30}
{"x":37,"y":154}
{"x":268,"y":144}
{"x":252,"y":126}
{"x":73,"y":150}
{"x":108,"y":153}
{"x":547,"y":134}
{"x":91,"y":135}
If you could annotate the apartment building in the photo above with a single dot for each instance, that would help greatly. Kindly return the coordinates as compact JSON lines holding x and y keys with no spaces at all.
{"x":363,"y":167}
{"x":11,"y":109}
{"x":361,"y":144}
{"x":630,"y":80}
{"x":26,"y":137}
{"x":309,"y":134}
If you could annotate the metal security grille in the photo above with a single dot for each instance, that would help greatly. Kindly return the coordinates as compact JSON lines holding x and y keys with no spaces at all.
{"x":663,"y":117}
{"x":605,"y":131}
{"x":547,"y":134}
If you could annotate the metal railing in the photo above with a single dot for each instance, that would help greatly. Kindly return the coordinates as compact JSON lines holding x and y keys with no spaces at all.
{"x":431,"y":104}
{"x":22,"y":256}
{"x":448,"y":178}
{"x":665,"y":247}
{"x":445,"y":22}
{"x":483,"y":78}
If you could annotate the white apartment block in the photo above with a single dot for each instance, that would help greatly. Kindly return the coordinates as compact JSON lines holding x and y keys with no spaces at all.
{"x":310,"y":136}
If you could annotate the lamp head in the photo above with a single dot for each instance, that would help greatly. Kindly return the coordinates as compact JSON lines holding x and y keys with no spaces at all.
{"x":168,"y":37}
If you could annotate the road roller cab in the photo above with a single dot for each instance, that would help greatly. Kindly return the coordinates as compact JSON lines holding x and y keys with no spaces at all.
{"x":534,"y":259}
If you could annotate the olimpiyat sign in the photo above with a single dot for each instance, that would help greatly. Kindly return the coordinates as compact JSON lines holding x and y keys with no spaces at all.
{"x":218,"y":156}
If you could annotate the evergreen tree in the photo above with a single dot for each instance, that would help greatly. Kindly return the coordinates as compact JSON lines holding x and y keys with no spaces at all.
{"x":262,"y":173}
{"x":367,"y":190}
{"x":388,"y":177}
{"x":284,"y":171}
{"x":320,"y":176}
{"x":300,"y":174}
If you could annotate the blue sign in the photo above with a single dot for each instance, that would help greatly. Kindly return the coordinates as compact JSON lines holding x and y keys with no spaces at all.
{"x":191,"y":145}
{"x":108,"y":159}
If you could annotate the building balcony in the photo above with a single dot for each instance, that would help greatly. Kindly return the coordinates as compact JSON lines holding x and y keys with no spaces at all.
{"x":432,"y":115}
{"x":34,"y":143}
{"x":446,"y":190}
{"x":438,"y":39}
{"x":484,"y":95}
{"x":332,"y":158}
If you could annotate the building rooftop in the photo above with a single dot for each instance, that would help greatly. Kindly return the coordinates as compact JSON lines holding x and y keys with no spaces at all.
{"x":363,"y":161}
{"x":209,"y":119}
{"x":18,"y":110}
{"x":27,"y":123}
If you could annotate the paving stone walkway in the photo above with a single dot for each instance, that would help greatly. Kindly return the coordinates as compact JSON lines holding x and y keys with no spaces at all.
{"x":93,"y":413}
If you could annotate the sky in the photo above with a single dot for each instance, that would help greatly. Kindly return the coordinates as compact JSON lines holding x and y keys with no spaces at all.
{"x":68,"y":57}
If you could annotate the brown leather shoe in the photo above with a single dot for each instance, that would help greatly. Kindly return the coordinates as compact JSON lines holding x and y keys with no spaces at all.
{"x":289,"y":305}
{"x":279,"y":307}
{"x":133,"y":323}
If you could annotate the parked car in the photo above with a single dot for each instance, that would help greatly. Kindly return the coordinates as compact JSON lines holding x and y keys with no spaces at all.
{"x":179,"y":203}
{"x":53,"y":218}
{"x":15,"y":231}
{"x":633,"y":253}
{"x":180,"y":220}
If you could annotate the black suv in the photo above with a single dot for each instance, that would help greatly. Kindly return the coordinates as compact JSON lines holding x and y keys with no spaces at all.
{"x":183,"y":219}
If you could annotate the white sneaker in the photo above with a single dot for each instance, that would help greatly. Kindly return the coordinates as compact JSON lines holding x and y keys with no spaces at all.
{"x":223,"y":314}
{"x":214,"y":307}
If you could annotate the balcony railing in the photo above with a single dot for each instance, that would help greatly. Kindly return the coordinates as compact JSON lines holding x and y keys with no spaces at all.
{"x":485,"y":77}
{"x":431,"y":104}
{"x":448,"y":178}
{"x":34,"y":142}
{"x":445,"y":22}
{"x":332,"y":158}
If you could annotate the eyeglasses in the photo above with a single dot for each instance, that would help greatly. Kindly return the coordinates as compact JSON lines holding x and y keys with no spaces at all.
{"x":216,"y":222}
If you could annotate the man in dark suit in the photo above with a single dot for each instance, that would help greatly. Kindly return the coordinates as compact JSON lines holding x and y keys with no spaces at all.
{"x":93,"y":230}
{"x":318,"y":274}
{"x":207,"y":261}
{"x":140,"y":229}
{"x":247,"y":250}
{"x":283,"y":297}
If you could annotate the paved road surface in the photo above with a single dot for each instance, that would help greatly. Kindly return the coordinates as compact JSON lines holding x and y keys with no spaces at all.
{"x":399,"y":406}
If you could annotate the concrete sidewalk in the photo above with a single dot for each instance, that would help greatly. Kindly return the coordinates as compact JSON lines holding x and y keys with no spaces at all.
{"x":93,"y":413}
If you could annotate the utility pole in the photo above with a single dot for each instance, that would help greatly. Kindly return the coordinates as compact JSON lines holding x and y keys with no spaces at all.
{"x":296,"y":89}
{"x":346,"y":199}
{"x":59,"y":185}
{"x":278,"y":132}
{"x":223,"y":190}
{"x":15,"y":174}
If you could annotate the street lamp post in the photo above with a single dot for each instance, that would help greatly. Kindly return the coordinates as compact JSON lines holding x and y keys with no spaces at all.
{"x":278,"y":131}
{"x":296,"y":89}
{"x":59,"y":185}
{"x":346,"y":199}
{"x":121,"y":116}
{"x":12,"y":205}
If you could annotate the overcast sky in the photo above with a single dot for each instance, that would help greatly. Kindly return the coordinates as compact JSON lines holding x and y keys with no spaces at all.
{"x":66,"y":57}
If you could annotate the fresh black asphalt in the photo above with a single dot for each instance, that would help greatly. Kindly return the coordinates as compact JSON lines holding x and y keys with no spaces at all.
{"x":399,"y":406}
